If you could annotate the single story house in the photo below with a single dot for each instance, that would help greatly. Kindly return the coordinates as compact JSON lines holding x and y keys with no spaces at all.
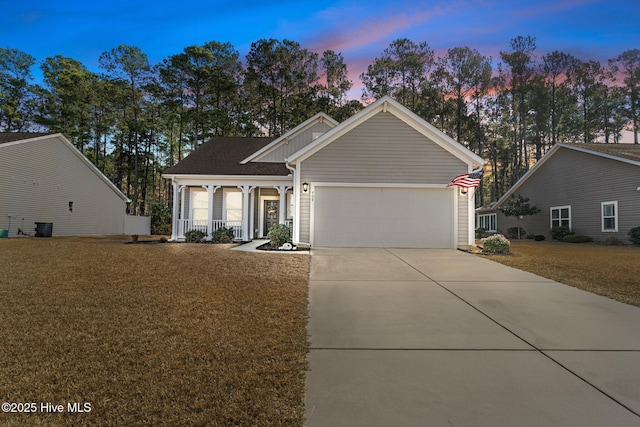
{"x":378,"y":179}
{"x":594,"y":189}
{"x":45,"y":179}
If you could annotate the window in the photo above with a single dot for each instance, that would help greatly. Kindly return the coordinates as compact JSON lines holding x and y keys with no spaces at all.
{"x":199,"y":204}
{"x":561,"y":216}
{"x":487,"y":221}
{"x":609,"y":216}
{"x":232,"y":205}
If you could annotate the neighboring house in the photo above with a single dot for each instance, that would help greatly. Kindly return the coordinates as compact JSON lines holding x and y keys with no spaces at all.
{"x":594,"y":189}
{"x":379,"y":179}
{"x":45,"y":179}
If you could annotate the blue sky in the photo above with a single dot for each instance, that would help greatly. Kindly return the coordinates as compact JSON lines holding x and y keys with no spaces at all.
{"x":360,"y":30}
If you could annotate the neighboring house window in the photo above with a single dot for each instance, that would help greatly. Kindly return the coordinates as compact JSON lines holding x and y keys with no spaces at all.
{"x":610,"y":216}
{"x":487,"y":221}
{"x":561,"y":216}
{"x":232,"y":205}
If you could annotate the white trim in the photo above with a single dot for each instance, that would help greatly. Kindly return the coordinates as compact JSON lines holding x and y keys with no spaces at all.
{"x":454,"y":201}
{"x":377,"y":185}
{"x":488,"y":215}
{"x":551,"y":208}
{"x":615,"y":216}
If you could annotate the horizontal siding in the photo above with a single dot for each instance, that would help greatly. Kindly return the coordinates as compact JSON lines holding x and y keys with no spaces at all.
{"x":38,"y":179}
{"x":582,"y":181}
{"x":296,"y":143}
{"x":463,"y":219}
{"x":383,"y":149}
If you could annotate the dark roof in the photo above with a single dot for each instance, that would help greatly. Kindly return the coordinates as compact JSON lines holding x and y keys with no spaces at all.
{"x":222,"y":156}
{"x":17,"y":136}
{"x":624,"y":151}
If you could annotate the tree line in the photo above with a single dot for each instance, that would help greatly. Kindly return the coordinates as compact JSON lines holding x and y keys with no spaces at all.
{"x":134,"y":119}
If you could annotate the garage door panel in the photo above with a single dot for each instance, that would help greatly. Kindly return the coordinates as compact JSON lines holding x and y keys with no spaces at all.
{"x":380,"y":216}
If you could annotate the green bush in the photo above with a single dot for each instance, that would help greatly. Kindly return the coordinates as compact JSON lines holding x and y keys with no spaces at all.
{"x":223,"y":235}
{"x":634,"y":236}
{"x":576,"y":238}
{"x":558,"y":233}
{"x":194,"y":236}
{"x":512,"y":232}
{"x":278,"y":234}
{"x":539,"y":237}
{"x":160,"y":219}
{"x":496,"y":244}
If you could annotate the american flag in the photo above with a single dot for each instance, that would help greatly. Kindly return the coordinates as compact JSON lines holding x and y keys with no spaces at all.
{"x":467,"y":180}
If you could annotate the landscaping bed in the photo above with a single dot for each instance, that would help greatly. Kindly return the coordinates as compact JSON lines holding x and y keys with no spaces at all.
{"x":612,"y":271}
{"x":152,"y":334}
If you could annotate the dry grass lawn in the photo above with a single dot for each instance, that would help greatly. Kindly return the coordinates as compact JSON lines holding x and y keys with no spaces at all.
{"x":612,"y":271}
{"x":152,"y":334}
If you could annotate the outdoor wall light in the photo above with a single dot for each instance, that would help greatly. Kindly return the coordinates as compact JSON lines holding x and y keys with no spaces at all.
{"x":463,"y":191}
{"x":305,"y":187}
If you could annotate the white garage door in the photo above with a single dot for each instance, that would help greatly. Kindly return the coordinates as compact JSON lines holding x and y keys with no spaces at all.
{"x":383,"y":217}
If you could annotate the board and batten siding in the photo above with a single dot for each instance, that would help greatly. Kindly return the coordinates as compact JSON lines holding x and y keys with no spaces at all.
{"x":295,"y":143}
{"x":38,"y":180}
{"x":582,"y":181}
{"x":384,"y":149}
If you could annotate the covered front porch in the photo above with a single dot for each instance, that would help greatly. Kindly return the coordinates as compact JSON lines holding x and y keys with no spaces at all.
{"x":248,"y":207}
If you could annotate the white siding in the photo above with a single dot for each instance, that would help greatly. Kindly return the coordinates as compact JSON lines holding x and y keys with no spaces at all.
{"x":39,"y":178}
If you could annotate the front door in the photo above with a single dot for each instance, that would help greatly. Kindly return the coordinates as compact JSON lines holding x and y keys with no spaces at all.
{"x":271,"y":214}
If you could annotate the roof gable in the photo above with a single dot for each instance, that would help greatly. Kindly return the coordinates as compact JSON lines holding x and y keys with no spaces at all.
{"x":293,"y":133}
{"x":387,"y":104}
{"x":8,"y":140}
{"x":626,"y":153}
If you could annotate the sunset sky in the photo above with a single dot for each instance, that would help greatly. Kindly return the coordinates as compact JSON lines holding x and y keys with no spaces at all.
{"x":82,"y":30}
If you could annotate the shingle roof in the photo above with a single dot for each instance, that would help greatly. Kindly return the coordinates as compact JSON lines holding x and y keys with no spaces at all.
{"x":624,"y":151}
{"x":222,"y":156}
{"x":17,"y":136}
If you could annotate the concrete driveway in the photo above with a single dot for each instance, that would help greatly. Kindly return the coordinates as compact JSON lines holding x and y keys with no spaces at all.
{"x":412,"y":337}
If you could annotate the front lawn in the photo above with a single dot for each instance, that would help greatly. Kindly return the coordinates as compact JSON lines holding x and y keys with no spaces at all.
{"x":612,"y":271}
{"x":151,"y":334}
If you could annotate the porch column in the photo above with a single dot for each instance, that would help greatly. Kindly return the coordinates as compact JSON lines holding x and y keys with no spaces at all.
{"x":176,"y":207}
{"x":246,"y":192}
{"x":282,"y":191}
{"x":211,"y":189}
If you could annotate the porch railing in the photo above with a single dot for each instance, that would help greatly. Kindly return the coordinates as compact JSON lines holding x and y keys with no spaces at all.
{"x":203,"y":225}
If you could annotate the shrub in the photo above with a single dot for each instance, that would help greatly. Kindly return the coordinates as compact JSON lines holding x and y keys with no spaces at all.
{"x":160,"y":219}
{"x":194,"y":236}
{"x":223,"y":235}
{"x":496,"y":244}
{"x":634,"y":236}
{"x":612,"y":241}
{"x":558,"y":233}
{"x":539,"y":237}
{"x":480,"y":233}
{"x":512,"y":232}
{"x":576,"y":238}
{"x":278,"y":235}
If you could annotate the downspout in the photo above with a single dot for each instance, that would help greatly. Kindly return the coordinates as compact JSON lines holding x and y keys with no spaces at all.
{"x":296,"y":198}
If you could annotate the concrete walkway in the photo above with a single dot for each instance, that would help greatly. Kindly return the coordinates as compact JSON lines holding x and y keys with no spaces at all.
{"x":411,"y":337}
